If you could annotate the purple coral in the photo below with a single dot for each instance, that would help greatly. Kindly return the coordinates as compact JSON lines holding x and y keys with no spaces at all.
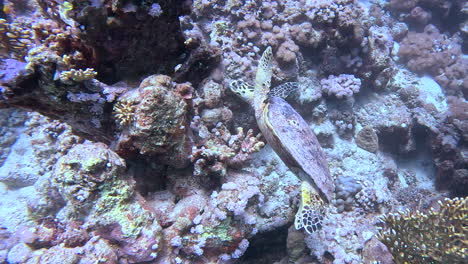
{"x":343,"y":85}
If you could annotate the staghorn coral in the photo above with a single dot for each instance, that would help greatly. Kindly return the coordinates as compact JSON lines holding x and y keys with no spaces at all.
{"x":438,"y":236}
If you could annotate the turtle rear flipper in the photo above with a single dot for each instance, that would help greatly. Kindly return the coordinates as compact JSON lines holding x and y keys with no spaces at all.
{"x":284,"y":89}
{"x":311,"y":211}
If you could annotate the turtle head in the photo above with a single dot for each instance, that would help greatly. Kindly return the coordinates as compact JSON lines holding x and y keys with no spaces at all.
{"x":263,"y":79}
{"x":243,"y":90}
{"x":256,"y":95}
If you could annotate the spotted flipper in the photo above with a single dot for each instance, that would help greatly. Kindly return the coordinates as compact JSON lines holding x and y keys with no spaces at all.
{"x":243,"y":89}
{"x":284,"y":89}
{"x":311,"y":211}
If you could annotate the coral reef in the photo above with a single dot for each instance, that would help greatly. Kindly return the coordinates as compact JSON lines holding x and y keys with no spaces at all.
{"x":136,"y":151}
{"x":346,"y":189}
{"x":447,"y":146}
{"x":89,"y":180}
{"x":15,"y":40}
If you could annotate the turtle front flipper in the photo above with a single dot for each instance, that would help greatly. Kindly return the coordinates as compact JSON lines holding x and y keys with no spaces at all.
{"x":311,"y":210}
{"x":284,"y":89}
{"x":243,"y":89}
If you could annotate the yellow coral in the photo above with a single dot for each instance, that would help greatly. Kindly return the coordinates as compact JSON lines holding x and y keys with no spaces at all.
{"x":438,"y":236}
{"x":124,"y":112}
{"x":78,"y":75}
{"x":14,"y":40}
{"x":64,"y":12}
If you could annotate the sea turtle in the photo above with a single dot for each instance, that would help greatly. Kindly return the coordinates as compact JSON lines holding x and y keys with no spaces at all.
{"x":292,"y":139}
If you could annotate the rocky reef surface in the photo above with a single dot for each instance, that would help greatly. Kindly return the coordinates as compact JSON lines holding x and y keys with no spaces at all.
{"x":122,"y":143}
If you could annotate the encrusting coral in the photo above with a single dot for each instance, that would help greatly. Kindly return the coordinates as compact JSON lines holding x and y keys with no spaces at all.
{"x":438,"y":236}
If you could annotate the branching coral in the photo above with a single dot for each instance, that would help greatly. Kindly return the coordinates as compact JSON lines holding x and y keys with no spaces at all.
{"x":124,"y":112}
{"x":221,"y":149}
{"x":78,"y":75}
{"x":57,"y":11}
{"x":14,"y":40}
{"x":438,"y":236}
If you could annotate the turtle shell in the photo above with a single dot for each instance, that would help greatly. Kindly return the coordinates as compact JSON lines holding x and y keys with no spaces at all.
{"x":296,"y":144}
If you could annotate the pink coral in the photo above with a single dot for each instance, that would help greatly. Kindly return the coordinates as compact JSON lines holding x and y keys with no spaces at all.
{"x":305,"y":34}
{"x":429,"y":51}
{"x":287,"y":52}
{"x":437,"y":54}
{"x":343,"y":85}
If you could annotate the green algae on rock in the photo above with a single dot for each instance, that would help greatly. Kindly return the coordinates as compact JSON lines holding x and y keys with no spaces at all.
{"x":90,"y":180}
